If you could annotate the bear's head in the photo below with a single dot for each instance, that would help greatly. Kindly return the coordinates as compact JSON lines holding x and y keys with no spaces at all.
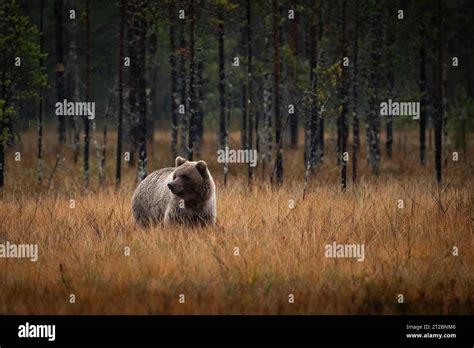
{"x":191,"y":181}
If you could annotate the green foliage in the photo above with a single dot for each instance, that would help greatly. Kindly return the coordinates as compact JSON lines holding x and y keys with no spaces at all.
{"x":328,"y":78}
{"x":227,"y":5}
{"x":18,"y":40}
{"x":461,"y":122}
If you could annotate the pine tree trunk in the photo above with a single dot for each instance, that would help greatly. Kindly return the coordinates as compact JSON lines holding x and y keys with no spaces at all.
{"x":39,"y":164}
{"x":222,"y":104}
{"x":243,"y":96}
{"x":118,"y":170}
{"x":243,"y":131}
{"x":423,"y":93}
{"x":192,"y":95}
{"x":103,"y":157}
{"x":314,"y":119}
{"x":199,"y":112}
{"x":343,"y":97}
{"x":2,"y":159}
{"x":293,"y":43}
{"x":88,"y":94}
{"x":69,"y":79}
{"x":374,"y":77}
{"x":73,"y":86}
{"x":59,"y":8}
{"x":142,"y":121}
{"x":389,"y":130}
{"x":439,"y":95}
{"x":153,"y":95}
{"x":249,"y":90}
{"x":355,"y":114}
{"x":267,"y":111}
{"x":133,"y":119}
{"x":184,"y":102}
{"x":278,"y":171}
{"x":446,"y":144}
{"x":4,"y":129}
{"x":321,"y":118}
{"x":226,"y":139}
{"x":174,"y":83}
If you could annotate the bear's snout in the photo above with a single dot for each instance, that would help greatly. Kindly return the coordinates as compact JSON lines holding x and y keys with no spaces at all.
{"x":174,"y":188}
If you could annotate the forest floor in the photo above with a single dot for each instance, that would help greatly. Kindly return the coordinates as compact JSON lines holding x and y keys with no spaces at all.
{"x":280,"y":237}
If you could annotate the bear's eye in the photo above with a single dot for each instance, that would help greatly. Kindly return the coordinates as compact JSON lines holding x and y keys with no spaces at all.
{"x":185,"y":177}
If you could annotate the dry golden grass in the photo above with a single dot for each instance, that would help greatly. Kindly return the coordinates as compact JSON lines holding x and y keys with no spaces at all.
{"x":407,"y":251}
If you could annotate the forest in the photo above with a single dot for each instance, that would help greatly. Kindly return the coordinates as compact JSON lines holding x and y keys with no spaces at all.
{"x":322,"y":123}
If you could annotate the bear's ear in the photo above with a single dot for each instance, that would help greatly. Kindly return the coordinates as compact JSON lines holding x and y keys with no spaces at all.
{"x":179,"y":161}
{"x":201,"y":166}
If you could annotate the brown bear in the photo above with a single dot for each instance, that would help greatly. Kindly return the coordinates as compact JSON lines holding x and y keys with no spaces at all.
{"x":185,"y":194}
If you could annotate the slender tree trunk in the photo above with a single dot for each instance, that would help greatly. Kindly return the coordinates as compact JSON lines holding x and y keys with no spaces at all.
{"x":2,"y":165}
{"x":249,"y":90}
{"x":142,"y":121}
{"x":184,"y":103}
{"x":222,"y":96}
{"x":267,"y":111}
{"x":103,"y":157}
{"x":374,"y":76}
{"x":133,"y":118}
{"x":152,"y":75}
{"x":343,"y":97}
{"x":320,"y":147}
{"x":4,"y":129}
{"x":314,"y":119}
{"x":439,"y":95}
{"x":69,"y":78}
{"x":391,"y":83}
{"x":243,"y":53}
{"x":199,"y":112}
{"x":199,"y":87}
{"x":293,"y":43}
{"x":192,"y":95}
{"x":257,"y":134}
{"x":278,"y":171}
{"x":423,"y":93}
{"x":174,"y":83}
{"x":198,"y":91}
{"x":226,"y":139}
{"x":118,"y":170}
{"x":88,"y":94}
{"x":74,"y":83}
{"x":446,"y":142}
{"x":2,"y":161}
{"x":355,"y":119}
{"x":39,"y":164}
{"x":243,"y":134}
{"x":59,"y":8}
